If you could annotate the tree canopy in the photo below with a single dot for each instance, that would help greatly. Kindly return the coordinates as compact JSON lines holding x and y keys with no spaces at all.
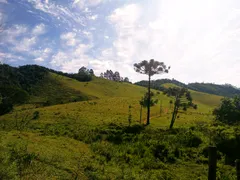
{"x":229,"y":110}
{"x":151,"y":67}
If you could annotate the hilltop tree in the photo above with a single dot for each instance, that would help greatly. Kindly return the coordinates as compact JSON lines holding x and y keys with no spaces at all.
{"x":110,"y":75}
{"x":150,"y":68}
{"x":91,"y":72}
{"x":116,"y":76}
{"x":84,"y":74}
{"x":82,"y":70}
{"x":126,"y":79}
{"x":144,"y":102}
{"x":182,"y":98}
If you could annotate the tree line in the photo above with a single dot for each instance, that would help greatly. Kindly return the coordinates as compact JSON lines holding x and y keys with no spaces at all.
{"x":114,"y":76}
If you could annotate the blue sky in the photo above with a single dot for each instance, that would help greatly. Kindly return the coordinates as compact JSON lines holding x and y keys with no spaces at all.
{"x":199,"y":39}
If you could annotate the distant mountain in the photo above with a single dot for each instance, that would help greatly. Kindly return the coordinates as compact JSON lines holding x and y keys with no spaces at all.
{"x":226,"y":90}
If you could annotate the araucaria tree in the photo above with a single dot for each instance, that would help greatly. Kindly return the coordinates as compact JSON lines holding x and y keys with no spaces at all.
{"x":182,"y":99}
{"x":150,"y":68}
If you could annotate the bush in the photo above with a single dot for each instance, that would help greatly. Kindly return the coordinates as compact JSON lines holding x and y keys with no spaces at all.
{"x":35,"y":115}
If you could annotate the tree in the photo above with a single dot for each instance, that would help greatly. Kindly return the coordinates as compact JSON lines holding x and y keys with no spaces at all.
{"x":82,"y":70}
{"x":84,"y":74}
{"x":108,"y":75}
{"x":116,"y":76}
{"x":126,"y":79}
{"x":150,"y":68}
{"x":229,"y":110}
{"x":144,"y":102}
{"x":182,"y":98}
{"x":91,"y":72}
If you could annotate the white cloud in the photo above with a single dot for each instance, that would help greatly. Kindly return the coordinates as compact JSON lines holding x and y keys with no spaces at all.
{"x":9,"y":35}
{"x":199,"y":39}
{"x":69,"y":38}
{"x":22,"y":39}
{"x":10,"y":57}
{"x":3,"y":1}
{"x":41,"y":55}
{"x":25,"y":44}
{"x":39,"y":59}
{"x":93,"y":17}
{"x":59,"y":59}
{"x":63,"y":14}
{"x":39,"y":30}
{"x":70,"y":60}
{"x":83,"y":4}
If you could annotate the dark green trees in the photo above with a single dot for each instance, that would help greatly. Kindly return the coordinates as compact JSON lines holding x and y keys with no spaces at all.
{"x":229,"y":110}
{"x":182,"y":99}
{"x":150,"y":68}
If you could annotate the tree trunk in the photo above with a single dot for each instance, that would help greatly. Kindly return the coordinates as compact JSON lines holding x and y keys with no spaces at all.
{"x":174,"y":114}
{"x":148,"y":105}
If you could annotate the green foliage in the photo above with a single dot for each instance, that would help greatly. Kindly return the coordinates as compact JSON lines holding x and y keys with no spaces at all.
{"x":229,"y":110}
{"x":144,"y":101}
{"x":182,"y":98}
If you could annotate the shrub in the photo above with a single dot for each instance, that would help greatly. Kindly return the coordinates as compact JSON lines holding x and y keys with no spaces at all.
{"x":35,"y":115}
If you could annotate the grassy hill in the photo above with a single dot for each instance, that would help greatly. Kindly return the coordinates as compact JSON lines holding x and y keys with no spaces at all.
{"x":92,"y":138}
{"x":226,"y":90}
{"x":200,"y":97}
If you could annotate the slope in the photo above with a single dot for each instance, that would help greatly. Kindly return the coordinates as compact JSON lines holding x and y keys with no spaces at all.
{"x":200,"y":97}
{"x":102,"y":88}
{"x":226,"y":90}
{"x":93,"y":139}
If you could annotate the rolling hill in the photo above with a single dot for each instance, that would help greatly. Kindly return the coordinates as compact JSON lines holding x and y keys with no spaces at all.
{"x":226,"y":90}
{"x":92,"y":130}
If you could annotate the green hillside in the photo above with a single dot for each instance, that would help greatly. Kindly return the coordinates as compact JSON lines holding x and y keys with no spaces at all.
{"x":101,"y":137}
{"x":225,"y":90}
{"x":200,"y":97}
{"x":102,"y":88}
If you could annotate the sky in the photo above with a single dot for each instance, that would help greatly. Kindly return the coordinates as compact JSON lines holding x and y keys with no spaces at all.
{"x":199,"y":39}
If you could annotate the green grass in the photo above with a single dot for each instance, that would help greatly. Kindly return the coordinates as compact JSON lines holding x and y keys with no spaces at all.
{"x":93,"y":140}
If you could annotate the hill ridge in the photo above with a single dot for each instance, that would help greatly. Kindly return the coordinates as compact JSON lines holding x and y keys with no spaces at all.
{"x":226,"y":90}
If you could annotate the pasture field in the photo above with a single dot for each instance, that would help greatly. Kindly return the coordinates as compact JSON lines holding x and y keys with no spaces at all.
{"x":93,"y":139}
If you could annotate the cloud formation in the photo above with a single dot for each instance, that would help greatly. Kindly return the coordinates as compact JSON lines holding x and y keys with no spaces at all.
{"x":198,"y":39}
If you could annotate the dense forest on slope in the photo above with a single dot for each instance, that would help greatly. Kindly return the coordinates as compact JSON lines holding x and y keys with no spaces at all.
{"x":210,"y":88}
{"x":39,"y":84}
